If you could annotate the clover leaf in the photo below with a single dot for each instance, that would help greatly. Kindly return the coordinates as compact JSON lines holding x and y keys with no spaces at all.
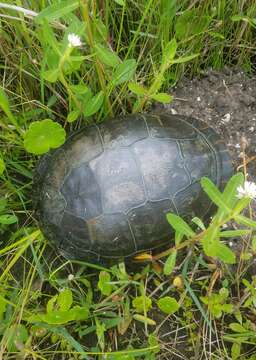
{"x":168,"y":305}
{"x":43,"y":136}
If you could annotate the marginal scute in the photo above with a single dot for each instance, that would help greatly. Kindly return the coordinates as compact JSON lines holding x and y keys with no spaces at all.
{"x":163,"y":127}
{"x":199,"y":158}
{"x":111,"y":235}
{"x":53,"y":205}
{"x":77,"y":231}
{"x":192,"y":201}
{"x":150,"y":219}
{"x":128,"y":130}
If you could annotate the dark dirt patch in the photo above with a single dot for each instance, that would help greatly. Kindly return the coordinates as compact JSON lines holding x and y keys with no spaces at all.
{"x":226,"y":100}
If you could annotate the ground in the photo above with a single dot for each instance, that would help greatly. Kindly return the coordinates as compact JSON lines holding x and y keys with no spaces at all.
{"x":226,"y":101}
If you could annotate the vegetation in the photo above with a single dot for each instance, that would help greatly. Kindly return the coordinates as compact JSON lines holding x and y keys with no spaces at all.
{"x":196,"y":298}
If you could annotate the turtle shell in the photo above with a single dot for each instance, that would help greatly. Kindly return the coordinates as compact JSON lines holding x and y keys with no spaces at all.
{"x":105,"y":193}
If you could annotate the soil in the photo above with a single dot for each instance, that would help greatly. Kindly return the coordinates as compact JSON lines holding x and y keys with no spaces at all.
{"x":226,"y":100}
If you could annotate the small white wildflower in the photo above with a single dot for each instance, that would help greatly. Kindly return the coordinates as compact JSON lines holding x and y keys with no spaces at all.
{"x":248,"y":190}
{"x":198,"y":98}
{"x":224,"y":226}
{"x":74,"y":40}
{"x":231,"y":243}
{"x":70,"y":277}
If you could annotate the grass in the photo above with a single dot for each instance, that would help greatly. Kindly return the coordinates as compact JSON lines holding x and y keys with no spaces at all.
{"x":211,"y":323}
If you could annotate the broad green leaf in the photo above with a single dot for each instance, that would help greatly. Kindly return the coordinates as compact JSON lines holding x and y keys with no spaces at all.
{"x":236,"y":18}
{"x":2,"y":166}
{"x":79,"y":312}
{"x":180,"y":225}
{"x":184,"y":59}
{"x":144,"y":319}
{"x":43,"y":136}
{"x":103,"y":283}
{"x":216,"y":310}
{"x":210,"y":241}
{"x":3,"y":204}
{"x":124,"y":72}
{"x":184,"y":23}
{"x":189,"y":23}
{"x":225,"y":254}
{"x":14,"y":335}
{"x":237,"y":327}
{"x":241,"y":205}
{"x":224,"y":294}
{"x":234,"y":233}
{"x":178,"y":237}
{"x":239,"y":317}
{"x":58,"y":317}
{"x":168,"y":305}
{"x":162,"y":98}
{"x":51,"y":75}
{"x":51,"y":304}
{"x":214,"y":194}
{"x":229,"y":195}
{"x":137,"y":89}
{"x":57,"y":10}
{"x":94,"y":104}
{"x":236,"y":350}
{"x":107,"y":56}
{"x":169,"y":52}
{"x":170,"y":263}
{"x":65,"y":299}
{"x":8,"y":219}
{"x":47,"y":37}
{"x":73,"y":64}
{"x":199,"y":223}
{"x":120,"y":2}
{"x":142,"y":303}
{"x":73,"y":115}
{"x":79,"y":89}
{"x":240,"y":219}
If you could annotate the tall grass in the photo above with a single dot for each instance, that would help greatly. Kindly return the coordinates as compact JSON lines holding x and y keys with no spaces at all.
{"x":220,"y":32}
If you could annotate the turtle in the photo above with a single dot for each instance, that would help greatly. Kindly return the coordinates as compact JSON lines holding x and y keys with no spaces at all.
{"x":105,"y":193}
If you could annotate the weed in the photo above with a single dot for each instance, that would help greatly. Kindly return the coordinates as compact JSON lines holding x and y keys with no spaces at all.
{"x":69,"y":63}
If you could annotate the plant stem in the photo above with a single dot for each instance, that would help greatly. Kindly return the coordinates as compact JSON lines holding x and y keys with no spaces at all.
{"x":98,"y":64}
{"x":62,"y":77}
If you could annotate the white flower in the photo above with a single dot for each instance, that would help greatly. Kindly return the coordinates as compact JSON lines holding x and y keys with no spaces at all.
{"x":248,"y":190}
{"x":71,"y":277}
{"x":74,"y":40}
